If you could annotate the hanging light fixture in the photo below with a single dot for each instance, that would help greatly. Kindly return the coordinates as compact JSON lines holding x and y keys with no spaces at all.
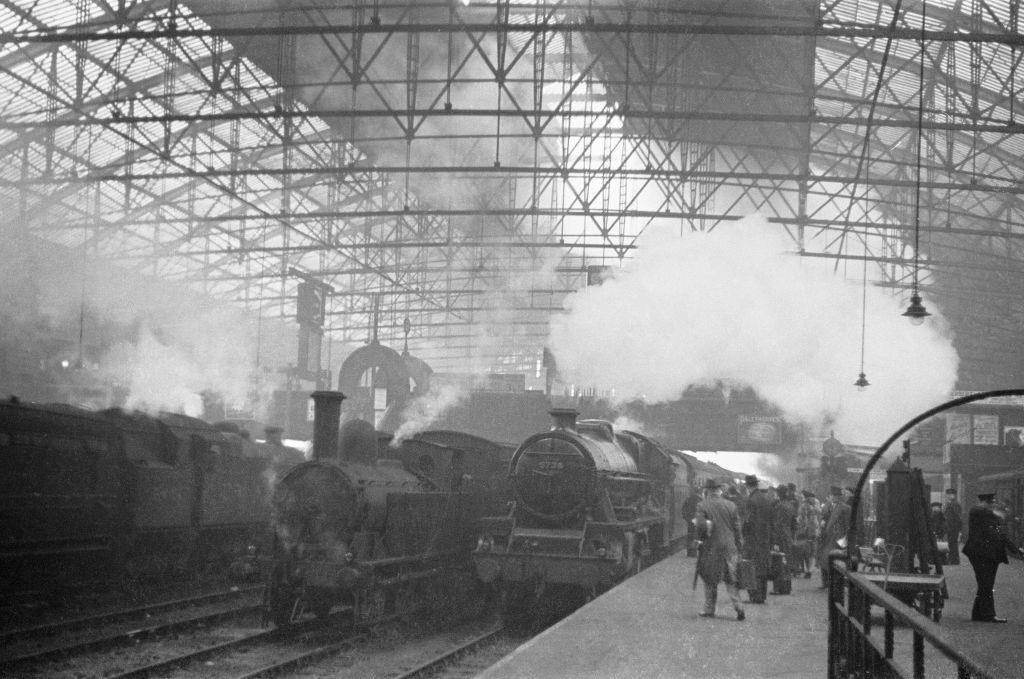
{"x":916,"y":311}
{"x":862,"y":381}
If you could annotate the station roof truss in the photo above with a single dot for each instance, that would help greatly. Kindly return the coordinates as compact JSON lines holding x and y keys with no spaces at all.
{"x":466,"y":165}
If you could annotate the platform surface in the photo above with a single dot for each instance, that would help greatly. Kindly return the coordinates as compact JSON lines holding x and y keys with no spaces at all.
{"x":649,"y":627}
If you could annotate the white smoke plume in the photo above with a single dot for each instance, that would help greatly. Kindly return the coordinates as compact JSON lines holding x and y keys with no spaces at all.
{"x":172,"y":374}
{"x":426,"y":409}
{"x":734,"y":306}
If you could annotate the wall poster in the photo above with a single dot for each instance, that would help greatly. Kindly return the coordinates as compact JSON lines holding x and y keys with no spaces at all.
{"x":986,"y":430}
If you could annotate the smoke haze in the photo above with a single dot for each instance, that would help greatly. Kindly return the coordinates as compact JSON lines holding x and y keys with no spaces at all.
{"x":732,"y":307}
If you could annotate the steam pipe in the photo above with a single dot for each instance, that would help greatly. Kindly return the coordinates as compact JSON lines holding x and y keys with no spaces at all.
{"x":326,"y":416}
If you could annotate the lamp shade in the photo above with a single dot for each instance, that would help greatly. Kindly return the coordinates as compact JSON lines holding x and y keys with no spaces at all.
{"x":916,"y":311}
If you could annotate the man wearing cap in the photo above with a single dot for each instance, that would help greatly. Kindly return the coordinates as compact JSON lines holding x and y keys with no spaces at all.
{"x":985,"y":548}
{"x":757,"y":536}
{"x":807,"y":529}
{"x":837,"y":524}
{"x":718,"y":527}
{"x":953,"y":522}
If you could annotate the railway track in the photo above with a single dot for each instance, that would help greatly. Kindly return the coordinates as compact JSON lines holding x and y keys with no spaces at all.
{"x":28,"y":653}
{"x":467,"y":659}
{"x":228,"y":643}
{"x":270,"y":638}
{"x":50,"y":629}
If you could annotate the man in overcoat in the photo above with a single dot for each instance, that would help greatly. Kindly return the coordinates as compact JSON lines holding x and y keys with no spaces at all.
{"x":986,"y":546}
{"x":784,"y":524}
{"x":836,"y":526}
{"x":718,"y":528}
{"x":757,"y":536}
{"x":953,"y":522}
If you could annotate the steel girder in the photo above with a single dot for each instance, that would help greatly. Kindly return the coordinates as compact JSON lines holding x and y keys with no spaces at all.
{"x":429,"y":153}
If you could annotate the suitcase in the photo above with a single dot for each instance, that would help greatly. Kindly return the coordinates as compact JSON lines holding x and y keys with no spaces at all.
{"x":783,"y":584}
{"x":776,"y":564}
{"x":782,"y":579}
{"x":746,"y":574}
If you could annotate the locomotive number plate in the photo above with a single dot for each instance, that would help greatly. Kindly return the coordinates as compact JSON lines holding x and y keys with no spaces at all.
{"x":550,"y":465}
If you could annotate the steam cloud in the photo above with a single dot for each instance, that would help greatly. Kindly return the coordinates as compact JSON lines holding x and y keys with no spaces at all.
{"x":424,"y":410}
{"x":733,"y":307}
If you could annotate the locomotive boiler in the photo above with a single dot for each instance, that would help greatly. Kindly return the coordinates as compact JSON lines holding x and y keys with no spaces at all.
{"x":374,"y":530}
{"x":591,"y":506}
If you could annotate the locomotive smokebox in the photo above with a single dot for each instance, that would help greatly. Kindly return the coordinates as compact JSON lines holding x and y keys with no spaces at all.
{"x":326,"y":416}
{"x":565,"y":418}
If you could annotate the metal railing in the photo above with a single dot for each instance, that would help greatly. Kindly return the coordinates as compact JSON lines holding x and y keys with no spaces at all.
{"x":856,"y":649}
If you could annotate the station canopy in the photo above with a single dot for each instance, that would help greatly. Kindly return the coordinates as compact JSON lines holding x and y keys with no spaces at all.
{"x":467,"y":164}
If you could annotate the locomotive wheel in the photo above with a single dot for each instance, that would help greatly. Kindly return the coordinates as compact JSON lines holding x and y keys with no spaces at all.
{"x":372,"y":606}
{"x":281,"y":598}
{"x":409,"y":600}
{"x":282,"y":608}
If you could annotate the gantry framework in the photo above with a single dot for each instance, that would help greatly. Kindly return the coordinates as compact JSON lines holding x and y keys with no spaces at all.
{"x":466,"y":165}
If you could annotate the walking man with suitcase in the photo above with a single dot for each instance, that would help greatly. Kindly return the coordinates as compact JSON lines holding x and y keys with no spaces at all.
{"x":718,"y":529}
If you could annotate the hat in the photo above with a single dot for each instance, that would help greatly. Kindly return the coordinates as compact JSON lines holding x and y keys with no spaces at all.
{"x":987,"y":497}
{"x":951,"y":491}
{"x":710,"y":484}
{"x":750,"y":480}
{"x":835,"y":490}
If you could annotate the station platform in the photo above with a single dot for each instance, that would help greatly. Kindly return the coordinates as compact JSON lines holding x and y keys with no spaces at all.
{"x":649,"y":626}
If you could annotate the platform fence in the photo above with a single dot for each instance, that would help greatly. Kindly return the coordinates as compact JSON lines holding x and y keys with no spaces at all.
{"x":861,"y":646}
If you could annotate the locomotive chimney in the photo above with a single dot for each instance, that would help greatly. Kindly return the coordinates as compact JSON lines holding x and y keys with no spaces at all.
{"x":272,"y":435}
{"x":326,"y":416}
{"x":565,"y":418}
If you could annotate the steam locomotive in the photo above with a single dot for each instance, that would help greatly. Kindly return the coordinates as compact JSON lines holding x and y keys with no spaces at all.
{"x":378,"y":529}
{"x":117,"y":498}
{"x":591,"y":507}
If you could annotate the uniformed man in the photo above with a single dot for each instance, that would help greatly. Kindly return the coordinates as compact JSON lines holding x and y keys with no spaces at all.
{"x":952,"y":520}
{"x":986,"y":547}
{"x":837,"y":524}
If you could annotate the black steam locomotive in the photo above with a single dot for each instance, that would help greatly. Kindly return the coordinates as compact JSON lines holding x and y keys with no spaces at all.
{"x":592,"y":506}
{"x":379,"y":529}
{"x":117,"y":498}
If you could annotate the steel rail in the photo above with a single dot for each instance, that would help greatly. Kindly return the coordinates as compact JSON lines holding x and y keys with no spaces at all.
{"x":51,"y":628}
{"x":437,"y":662}
{"x":126,"y":637}
{"x":303,"y":659}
